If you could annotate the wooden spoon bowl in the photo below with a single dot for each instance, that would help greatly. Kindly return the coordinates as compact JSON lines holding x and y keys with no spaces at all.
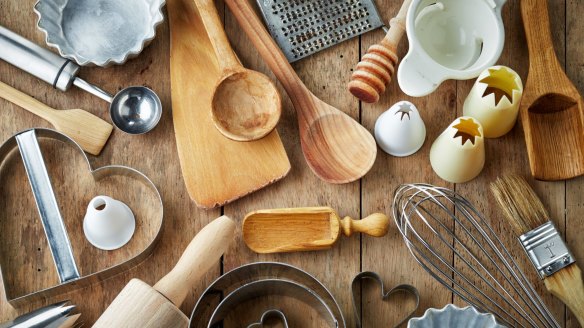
{"x":552,"y":108}
{"x":246,"y":105}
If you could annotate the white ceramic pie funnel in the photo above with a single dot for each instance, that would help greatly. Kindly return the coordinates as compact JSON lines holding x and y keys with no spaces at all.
{"x":108,"y":224}
{"x":449,"y":39}
{"x":400,"y":131}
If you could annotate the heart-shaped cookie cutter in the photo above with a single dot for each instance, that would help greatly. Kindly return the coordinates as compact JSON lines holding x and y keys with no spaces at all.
{"x":27,"y":143}
{"x":404,"y":288}
{"x":270,"y":315}
{"x":258,"y":280}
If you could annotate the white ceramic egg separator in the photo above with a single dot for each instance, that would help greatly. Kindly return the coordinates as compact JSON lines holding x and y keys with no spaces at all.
{"x":450,"y":39}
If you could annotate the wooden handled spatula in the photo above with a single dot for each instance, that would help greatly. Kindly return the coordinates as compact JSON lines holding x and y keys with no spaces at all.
{"x":141,"y":306}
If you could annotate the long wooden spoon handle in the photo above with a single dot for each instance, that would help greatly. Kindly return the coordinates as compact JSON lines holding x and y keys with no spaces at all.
{"x":216,"y":33}
{"x":376,"y":225}
{"x":27,"y":102}
{"x":200,"y":255}
{"x":536,"y":23}
{"x":268,"y":49}
{"x":567,"y":285}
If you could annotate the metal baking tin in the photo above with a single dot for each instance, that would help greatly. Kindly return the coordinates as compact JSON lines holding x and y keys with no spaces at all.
{"x":100,"y":32}
{"x":70,"y":279}
{"x":263,"y":279}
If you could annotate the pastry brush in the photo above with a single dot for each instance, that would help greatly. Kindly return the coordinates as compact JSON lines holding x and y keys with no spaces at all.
{"x":541,"y":241}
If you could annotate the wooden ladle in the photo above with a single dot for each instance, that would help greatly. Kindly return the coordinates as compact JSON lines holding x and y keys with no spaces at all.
{"x":336,"y":147}
{"x":551,"y":108}
{"x":246,"y":105}
{"x":88,"y":130}
{"x":304,"y":229}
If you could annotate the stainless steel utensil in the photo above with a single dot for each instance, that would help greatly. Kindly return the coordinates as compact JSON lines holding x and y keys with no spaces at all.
{"x":51,"y":316}
{"x":99,"y":32}
{"x":453,"y":242}
{"x":304,"y":27}
{"x":134,"y":110}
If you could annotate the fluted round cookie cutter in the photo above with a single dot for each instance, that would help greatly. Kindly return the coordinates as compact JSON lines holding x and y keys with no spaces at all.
{"x":263,"y":279}
{"x":26,"y":142}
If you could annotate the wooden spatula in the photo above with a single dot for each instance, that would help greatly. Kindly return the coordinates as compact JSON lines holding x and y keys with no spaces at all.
{"x":88,"y":130}
{"x":141,"y":306}
{"x":551,"y":108}
{"x":304,"y":229}
{"x":336,"y":147}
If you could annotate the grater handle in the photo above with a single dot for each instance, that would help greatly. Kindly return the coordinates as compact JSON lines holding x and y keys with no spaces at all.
{"x":375,"y":70}
{"x":212,"y":22}
{"x":269,"y":51}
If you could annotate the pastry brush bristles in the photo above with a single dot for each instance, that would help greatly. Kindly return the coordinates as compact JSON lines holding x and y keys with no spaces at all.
{"x":521,"y":206}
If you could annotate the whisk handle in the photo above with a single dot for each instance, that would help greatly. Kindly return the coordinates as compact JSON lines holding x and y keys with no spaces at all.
{"x":376,"y":225}
{"x":567,"y":285}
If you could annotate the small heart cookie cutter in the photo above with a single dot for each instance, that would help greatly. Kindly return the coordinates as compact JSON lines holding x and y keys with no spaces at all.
{"x":355,"y":288}
{"x":69,"y":277}
{"x":268,"y":316}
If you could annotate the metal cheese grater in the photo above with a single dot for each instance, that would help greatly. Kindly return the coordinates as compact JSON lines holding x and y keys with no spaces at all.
{"x":304,"y":27}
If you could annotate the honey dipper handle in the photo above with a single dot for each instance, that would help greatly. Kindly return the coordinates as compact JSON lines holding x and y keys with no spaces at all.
{"x":376,"y":225}
{"x":200,"y":255}
{"x":374,"y":71}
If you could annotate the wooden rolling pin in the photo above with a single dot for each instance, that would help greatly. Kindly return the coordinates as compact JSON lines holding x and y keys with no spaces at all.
{"x":373,"y":73}
{"x":141,"y":306}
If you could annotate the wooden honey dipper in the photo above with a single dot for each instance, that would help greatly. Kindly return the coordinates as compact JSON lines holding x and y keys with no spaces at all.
{"x":374,"y":71}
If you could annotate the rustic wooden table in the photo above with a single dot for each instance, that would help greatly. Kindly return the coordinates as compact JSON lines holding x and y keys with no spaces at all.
{"x":326,"y":74}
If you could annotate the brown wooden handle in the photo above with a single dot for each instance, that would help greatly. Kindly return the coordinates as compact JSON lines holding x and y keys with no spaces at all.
{"x":27,"y":102}
{"x":567,"y":285}
{"x":200,"y":255}
{"x":272,"y":55}
{"x":536,"y":24}
{"x":373,"y":73}
{"x":212,"y":22}
{"x":376,"y":225}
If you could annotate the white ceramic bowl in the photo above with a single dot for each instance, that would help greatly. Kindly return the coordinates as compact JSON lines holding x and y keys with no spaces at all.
{"x":452,"y":316}
{"x":99,"y":32}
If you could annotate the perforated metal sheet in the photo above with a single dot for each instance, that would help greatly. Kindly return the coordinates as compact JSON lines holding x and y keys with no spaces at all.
{"x":303,"y":27}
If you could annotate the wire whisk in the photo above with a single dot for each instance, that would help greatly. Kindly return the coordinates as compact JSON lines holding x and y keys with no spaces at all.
{"x":453,"y":242}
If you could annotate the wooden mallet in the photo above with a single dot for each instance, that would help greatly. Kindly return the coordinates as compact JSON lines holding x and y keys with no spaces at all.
{"x":141,"y":306}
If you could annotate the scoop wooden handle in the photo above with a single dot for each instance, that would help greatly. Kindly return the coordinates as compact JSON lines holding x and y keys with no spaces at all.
{"x":200,"y":255}
{"x":375,"y":225}
{"x":567,"y":285}
{"x":373,"y":73}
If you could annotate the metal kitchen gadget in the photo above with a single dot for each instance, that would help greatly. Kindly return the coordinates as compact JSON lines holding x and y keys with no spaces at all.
{"x":440,"y":228}
{"x":56,"y":315}
{"x":27,"y":144}
{"x":99,"y":32}
{"x":134,"y":110}
{"x":268,"y":281}
{"x":449,"y":39}
{"x":369,"y":275}
{"x":304,"y":27}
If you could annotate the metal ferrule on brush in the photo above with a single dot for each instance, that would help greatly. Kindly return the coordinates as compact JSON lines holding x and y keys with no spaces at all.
{"x":546,"y":249}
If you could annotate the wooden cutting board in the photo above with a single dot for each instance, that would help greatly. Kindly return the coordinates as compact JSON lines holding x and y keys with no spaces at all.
{"x":216,"y":170}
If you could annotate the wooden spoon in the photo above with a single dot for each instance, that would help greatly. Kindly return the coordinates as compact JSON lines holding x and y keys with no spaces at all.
{"x":336,"y":147}
{"x":551,"y":108}
{"x":246,"y":105}
{"x":88,"y":130}
{"x":304,"y":229}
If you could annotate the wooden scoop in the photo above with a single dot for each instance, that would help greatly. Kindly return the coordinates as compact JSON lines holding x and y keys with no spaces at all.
{"x":336,"y":147}
{"x":141,"y":306}
{"x":88,"y":130}
{"x":551,"y":108}
{"x":304,"y":229}
{"x":246,"y":105}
